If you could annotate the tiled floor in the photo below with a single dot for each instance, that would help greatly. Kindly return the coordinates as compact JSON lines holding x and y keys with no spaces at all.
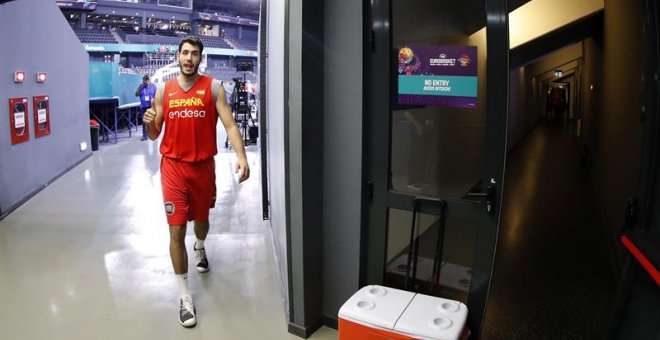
{"x":87,"y":257}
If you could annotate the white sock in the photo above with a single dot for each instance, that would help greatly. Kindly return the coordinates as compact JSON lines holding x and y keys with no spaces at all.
{"x":199,"y":244}
{"x":182,"y":279}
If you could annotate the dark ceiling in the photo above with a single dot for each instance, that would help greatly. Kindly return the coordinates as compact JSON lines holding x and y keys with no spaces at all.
{"x":513,"y":4}
{"x":471,"y":23}
{"x":440,"y":16}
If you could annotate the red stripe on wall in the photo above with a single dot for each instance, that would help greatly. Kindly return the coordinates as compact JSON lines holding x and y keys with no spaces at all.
{"x":648,"y":266}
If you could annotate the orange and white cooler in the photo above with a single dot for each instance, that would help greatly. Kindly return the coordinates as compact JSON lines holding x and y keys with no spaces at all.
{"x":378,"y":312}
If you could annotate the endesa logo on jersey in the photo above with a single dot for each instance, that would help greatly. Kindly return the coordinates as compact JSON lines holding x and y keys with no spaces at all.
{"x":188,"y":106}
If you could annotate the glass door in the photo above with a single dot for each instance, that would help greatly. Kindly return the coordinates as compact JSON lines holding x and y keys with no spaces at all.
{"x":436,"y":102}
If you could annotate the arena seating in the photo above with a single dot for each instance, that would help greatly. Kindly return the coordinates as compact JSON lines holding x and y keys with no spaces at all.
{"x":162,"y":37}
{"x":95,"y":36}
{"x":246,"y":44}
{"x":217,"y":42}
{"x":152,"y":39}
{"x":228,"y":73}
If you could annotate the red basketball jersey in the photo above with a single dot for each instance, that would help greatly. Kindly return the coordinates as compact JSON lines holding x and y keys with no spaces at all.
{"x":190,"y":121}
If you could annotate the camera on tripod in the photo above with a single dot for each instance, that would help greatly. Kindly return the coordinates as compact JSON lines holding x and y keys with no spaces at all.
{"x":241,"y":106}
{"x":239,"y":102}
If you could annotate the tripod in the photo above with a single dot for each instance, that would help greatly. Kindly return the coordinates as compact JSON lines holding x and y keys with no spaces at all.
{"x":241,"y":110}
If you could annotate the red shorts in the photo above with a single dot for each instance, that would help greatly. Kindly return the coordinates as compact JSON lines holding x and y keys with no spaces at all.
{"x":188,"y":189}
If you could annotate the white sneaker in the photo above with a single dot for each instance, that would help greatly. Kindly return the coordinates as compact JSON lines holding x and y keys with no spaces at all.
{"x":187,"y":311}
{"x":201,"y":262}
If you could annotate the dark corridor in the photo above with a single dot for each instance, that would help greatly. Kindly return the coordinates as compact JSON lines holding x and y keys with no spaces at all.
{"x":553,"y":275}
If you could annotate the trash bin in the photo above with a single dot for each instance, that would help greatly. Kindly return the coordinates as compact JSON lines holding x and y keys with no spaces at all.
{"x":253,"y":133}
{"x":379,"y":313}
{"x":94,"y":132}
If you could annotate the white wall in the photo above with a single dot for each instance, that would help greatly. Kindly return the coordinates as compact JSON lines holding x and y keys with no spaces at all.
{"x":539,"y":17}
{"x":275,"y":86}
{"x":35,"y":37}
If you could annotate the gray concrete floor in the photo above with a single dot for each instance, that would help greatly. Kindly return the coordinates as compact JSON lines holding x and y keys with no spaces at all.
{"x":87,"y":257}
{"x":553,"y":277}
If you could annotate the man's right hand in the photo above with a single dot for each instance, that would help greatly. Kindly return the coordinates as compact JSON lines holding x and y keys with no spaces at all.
{"x":149,"y":116}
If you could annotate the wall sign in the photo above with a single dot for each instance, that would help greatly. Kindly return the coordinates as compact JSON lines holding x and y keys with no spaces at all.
{"x":437,"y":75}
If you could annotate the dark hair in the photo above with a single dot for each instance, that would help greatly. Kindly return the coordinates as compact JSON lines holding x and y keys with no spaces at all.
{"x":145,"y":77}
{"x":195,"y":41}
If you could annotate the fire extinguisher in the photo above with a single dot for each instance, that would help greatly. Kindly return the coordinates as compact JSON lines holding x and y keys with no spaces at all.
{"x":42,"y":118}
{"x":19,"y":119}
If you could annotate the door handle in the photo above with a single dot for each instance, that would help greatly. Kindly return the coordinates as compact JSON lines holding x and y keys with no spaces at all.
{"x":487,"y":197}
{"x":632,"y":213}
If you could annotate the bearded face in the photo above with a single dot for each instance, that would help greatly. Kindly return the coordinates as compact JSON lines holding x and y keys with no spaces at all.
{"x":189,"y":59}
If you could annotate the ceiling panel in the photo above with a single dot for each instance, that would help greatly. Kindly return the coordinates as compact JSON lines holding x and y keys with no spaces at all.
{"x":513,"y":4}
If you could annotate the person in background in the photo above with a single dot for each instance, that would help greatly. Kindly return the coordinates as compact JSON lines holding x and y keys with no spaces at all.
{"x":146,"y":91}
{"x":187,"y":109}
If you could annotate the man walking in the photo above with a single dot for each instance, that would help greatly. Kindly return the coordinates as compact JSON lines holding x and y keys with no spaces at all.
{"x":187,"y":109}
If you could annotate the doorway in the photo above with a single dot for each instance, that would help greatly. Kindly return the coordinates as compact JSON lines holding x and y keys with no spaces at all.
{"x":569,"y":177}
{"x":445,"y":212}
{"x":436,"y":146}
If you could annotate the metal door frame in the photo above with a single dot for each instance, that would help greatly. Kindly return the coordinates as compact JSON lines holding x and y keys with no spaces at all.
{"x":377,"y":198}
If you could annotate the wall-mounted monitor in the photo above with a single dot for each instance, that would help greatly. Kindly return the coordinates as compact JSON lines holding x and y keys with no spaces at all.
{"x":437,"y":75}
